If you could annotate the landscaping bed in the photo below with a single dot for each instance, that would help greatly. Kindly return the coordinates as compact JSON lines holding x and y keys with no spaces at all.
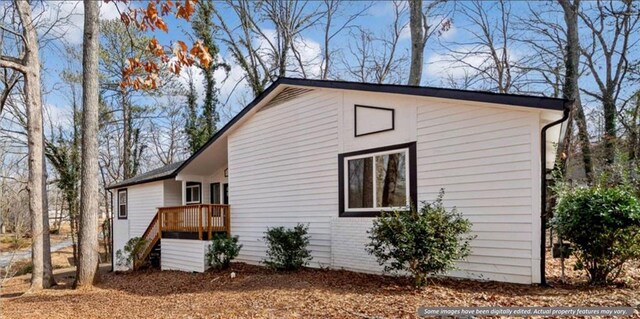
{"x":257,"y":292}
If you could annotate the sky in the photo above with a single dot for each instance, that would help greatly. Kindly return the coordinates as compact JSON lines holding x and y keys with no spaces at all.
{"x":380,"y":13}
{"x":437,"y":69}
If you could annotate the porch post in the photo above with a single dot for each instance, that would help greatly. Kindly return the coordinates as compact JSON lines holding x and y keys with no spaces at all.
{"x":184,"y":192}
{"x":200,"y":222}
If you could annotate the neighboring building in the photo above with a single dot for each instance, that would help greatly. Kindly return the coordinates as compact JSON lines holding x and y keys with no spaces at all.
{"x":323,"y":153}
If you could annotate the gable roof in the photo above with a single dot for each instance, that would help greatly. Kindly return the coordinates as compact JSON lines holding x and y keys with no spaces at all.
{"x":530,"y":101}
{"x":150,"y":176}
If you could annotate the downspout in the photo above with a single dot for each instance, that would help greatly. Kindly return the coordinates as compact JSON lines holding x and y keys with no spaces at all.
{"x":113,"y":268}
{"x":543,"y":189}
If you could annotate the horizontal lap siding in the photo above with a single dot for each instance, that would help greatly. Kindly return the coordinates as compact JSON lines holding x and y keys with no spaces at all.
{"x":283,"y":171}
{"x":144,"y":199}
{"x":172,"y":193}
{"x":483,"y":159}
{"x":183,"y":254}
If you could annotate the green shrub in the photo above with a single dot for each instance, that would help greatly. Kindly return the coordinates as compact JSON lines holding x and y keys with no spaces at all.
{"x":425,"y":242}
{"x":222,"y":250}
{"x":604,"y":226}
{"x":287,"y":248}
{"x":132,"y":248}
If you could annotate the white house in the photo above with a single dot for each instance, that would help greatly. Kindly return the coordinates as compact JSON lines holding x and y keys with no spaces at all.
{"x":321,"y":153}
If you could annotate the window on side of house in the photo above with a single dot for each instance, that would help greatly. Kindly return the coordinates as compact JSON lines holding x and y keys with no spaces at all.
{"x":215,"y":193}
{"x":377,"y":180}
{"x":193,"y":193}
{"x":122,"y":204}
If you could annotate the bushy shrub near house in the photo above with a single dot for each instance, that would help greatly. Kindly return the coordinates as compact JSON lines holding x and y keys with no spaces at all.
{"x":422,"y":242}
{"x":603,"y":223}
{"x":132,"y":248}
{"x":287,"y":247}
{"x":222,"y":251}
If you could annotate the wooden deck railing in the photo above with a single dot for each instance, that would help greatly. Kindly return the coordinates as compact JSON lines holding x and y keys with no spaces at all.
{"x":201,"y":219}
{"x":151,"y":236}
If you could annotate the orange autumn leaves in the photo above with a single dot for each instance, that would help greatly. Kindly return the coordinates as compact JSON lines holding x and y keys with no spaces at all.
{"x":143,"y":74}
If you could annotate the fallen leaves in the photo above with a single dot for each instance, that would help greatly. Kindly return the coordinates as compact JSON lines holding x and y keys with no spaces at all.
{"x":257,"y":292}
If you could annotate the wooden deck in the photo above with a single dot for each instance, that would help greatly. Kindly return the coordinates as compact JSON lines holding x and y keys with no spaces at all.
{"x":199,"y":221}
{"x":203,"y":219}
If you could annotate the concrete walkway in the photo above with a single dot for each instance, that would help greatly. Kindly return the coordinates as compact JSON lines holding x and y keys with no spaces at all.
{"x":9,"y":257}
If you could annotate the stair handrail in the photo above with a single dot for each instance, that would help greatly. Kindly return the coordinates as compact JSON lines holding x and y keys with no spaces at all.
{"x":149,"y":242}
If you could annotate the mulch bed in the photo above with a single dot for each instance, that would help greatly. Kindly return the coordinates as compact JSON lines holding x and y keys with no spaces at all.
{"x":256,"y":292}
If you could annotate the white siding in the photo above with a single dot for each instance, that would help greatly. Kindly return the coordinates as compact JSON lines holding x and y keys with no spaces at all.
{"x":183,"y":254}
{"x":172,"y":193}
{"x":486,"y":160}
{"x":348,"y":240}
{"x":120,"y":237}
{"x":144,"y":200}
{"x":283,"y":171}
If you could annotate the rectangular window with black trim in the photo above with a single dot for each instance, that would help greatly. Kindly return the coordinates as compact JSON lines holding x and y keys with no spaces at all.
{"x":193,"y":194}
{"x":122,"y":204}
{"x":377,"y":180}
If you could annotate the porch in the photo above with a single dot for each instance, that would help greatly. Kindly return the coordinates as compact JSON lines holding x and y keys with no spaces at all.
{"x":194,"y":222}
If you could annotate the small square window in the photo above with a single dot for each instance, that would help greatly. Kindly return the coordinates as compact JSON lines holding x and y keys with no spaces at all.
{"x":193,"y":191}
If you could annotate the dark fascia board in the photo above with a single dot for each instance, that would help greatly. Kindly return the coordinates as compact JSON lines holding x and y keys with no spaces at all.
{"x":455,"y":94}
{"x":476,"y":96}
{"x":155,"y":179}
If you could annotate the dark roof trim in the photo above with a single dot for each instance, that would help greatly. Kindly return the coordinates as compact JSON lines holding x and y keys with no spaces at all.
{"x":142,"y":181}
{"x":466,"y":95}
{"x":476,"y":96}
{"x":162,"y":173}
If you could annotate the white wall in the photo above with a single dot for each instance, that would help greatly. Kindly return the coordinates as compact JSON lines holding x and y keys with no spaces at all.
{"x":172,"y":193}
{"x":143,"y":201}
{"x":487,"y":159}
{"x":282,"y":171}
{"x":183,"y":254}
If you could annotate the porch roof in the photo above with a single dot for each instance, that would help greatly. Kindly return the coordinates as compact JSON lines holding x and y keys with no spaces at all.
{"x":157,"y":174}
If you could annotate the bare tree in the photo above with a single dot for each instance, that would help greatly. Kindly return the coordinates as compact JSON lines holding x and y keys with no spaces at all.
{"x":422,"y":28}
{"x":336,"y":23}
{"x":376,"y":57}
{"x":167,"y":136}
{"x":88,"y":237}
{"x":571,"y":89}
{"x":263,"y":55}
{"x":28,"y":64}
{"x":489,"y":55}
{"x":613,"y":29}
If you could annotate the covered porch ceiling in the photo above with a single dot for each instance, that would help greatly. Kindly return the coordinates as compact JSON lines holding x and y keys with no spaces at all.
{"x":212,"y":159}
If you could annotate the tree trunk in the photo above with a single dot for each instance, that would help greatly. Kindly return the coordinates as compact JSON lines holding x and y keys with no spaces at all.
{"x":88,"y":235}
{"x":610,"y":113}
{"x":126,"y":133}
{"x":47,"y":274}
{"x":33,"y":101}
{"x":417,"y":41}
{"x":571,"y":89}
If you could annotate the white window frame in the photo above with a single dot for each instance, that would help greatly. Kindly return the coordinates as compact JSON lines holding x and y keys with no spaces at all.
{"x":126,"y":204}
{"x":375,"y":191}
{"x":189,"y":188}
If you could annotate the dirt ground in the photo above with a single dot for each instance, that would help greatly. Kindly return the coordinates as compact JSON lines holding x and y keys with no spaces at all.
{"x":256,"y":292}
